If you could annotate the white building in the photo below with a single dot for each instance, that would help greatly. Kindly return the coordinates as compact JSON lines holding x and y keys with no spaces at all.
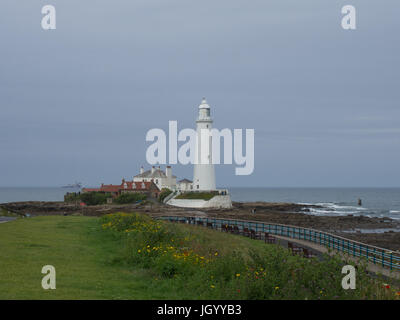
{"x":160,"y":178}
{"x":185,"y":185}
{"x":204,"y":174}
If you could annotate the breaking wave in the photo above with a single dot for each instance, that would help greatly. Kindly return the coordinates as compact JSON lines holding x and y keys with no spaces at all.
{"x":335,"y":209}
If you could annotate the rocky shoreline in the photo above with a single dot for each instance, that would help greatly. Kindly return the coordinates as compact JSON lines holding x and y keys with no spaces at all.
{"x":281,"y":213}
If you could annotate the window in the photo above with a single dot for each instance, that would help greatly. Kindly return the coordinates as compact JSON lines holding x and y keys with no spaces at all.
{"x":197,"y":186}
{"x":143,"y":185}
{"x":133,"y":185}
{"x":125,"y":186}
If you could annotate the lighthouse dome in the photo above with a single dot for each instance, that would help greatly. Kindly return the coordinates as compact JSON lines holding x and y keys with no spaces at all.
{"x":204,"y":104}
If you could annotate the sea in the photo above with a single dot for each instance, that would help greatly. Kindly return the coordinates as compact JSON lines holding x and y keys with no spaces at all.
{"x":376,"y":202}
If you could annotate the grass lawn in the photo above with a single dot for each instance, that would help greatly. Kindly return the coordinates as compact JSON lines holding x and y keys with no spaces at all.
{"x":80,"y":252}
{"x":135,"y":258}
{"x":87,"y":261}
{"x":197,"y":195}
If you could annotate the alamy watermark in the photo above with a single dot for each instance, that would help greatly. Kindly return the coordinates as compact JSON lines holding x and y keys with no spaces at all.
{"x":202,"y":147}
{"x":348,"y":21}
{"x":349,"y":281}
{"x":49,"y":280}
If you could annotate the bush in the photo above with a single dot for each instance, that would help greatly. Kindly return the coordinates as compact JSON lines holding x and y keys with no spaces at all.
{"x":130,"y":198}
{"x":94,"y":198}
{"x":72,"y":197}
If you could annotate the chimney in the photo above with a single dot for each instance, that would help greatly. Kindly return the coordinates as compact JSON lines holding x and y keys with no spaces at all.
{"x":141,"y":170}
{"x":153,"y":169}
{"x":168,"y":171}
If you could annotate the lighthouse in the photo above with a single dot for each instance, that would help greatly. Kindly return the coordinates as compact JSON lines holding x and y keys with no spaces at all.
{"x":204,"y":173}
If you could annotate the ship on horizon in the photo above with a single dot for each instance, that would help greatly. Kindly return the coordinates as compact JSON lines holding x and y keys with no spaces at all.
{"x":76,"y":185}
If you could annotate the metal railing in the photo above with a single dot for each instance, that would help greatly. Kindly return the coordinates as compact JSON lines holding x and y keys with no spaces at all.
{"x":383,"y":257}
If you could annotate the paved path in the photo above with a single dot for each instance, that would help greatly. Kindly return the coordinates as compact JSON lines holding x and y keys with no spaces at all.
{"x":6,"y":219}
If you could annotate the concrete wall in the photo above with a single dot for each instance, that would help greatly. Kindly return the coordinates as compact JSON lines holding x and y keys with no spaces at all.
{"x":216,"y":202}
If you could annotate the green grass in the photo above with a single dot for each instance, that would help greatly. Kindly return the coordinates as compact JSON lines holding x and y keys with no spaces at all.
{"x":88,"y":261}
{"x":83,"y":255}
{"x":197,"y":195}
{"x":96,"y":263}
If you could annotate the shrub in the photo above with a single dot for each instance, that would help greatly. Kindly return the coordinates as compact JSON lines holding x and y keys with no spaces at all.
{"x":72,"y":197}
{"x":130,"y":198}
{"x":94,"y":198}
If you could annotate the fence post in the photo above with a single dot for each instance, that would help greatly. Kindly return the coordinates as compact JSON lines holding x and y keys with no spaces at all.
{"x":391,"y":260}
{"x":374,"y":255}
{"x":383,"y":258}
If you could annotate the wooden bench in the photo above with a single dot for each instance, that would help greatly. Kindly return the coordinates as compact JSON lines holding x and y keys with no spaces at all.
{"x":308,"y":253}
{"x":246,"y":232}
{"x":255,"y":235}
{"x":269,"y":239}
{"x":295,"y":249}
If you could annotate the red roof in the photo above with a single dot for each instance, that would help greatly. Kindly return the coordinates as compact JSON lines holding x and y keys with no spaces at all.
{"x":130,"y":185}
{"x":110,"y":188}
{"x":90,"y":189}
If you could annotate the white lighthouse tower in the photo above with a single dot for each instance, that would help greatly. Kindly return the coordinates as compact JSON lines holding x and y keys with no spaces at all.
{"x":204,"y":173}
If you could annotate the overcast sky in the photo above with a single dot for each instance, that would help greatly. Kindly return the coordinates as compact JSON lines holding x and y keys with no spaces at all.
{"x":76,"y":102}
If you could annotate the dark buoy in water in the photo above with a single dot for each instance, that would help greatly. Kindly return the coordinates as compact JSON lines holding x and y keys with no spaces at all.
{"x":359,"y":202}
